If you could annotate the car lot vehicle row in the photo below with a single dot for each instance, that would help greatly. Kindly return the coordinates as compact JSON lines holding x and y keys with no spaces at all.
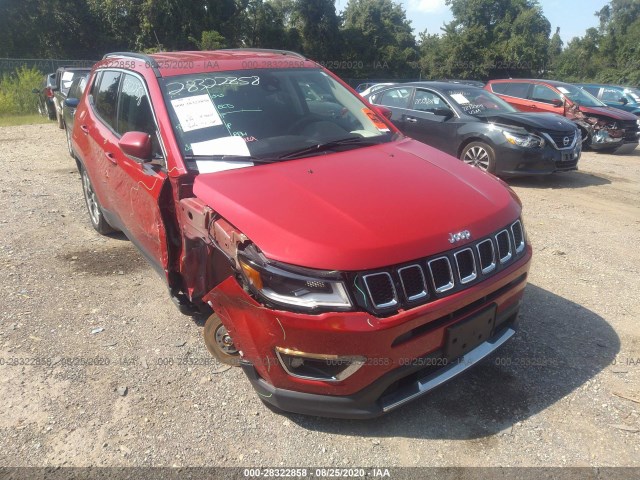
{"x":484,"y":131}
{"x":293,"y":214}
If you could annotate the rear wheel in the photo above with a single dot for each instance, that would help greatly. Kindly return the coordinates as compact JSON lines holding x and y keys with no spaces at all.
{"x":93,"y":206}
{"x":219,"y":342}
{"x":479,"y":155}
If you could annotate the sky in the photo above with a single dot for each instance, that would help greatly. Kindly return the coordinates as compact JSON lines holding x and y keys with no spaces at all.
{"x":572,"y":16}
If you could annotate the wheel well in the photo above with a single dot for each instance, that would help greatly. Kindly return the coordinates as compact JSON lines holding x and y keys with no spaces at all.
{"x":467,"y":142}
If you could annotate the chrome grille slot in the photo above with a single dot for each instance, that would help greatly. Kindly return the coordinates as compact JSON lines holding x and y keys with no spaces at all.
{"x":441,"y":274}
{"x":487,"y":256}
{"x":504,"y":246}
{"x":413,"y":282}
{"x":381,"y":290}
{"x":466,"y":265}
{"x":518,"y":236}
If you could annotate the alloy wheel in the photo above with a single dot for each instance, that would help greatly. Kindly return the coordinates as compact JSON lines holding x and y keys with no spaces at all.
{"x":477,"y":157}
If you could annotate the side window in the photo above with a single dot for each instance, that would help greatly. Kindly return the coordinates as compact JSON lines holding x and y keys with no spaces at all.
{"x":134,"y":111}
{"x":395,"y":97}
{"x":105,"y":96}
{"x":592,"y":90}
{"x":611,"y":95}
{"x":544,"y":94}
{"x":499,"y":87}
{"x":518,"y":90}
{"x":426,"y":101}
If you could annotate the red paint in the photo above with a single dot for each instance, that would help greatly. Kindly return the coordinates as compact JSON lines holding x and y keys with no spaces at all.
{"x":361,"y":209}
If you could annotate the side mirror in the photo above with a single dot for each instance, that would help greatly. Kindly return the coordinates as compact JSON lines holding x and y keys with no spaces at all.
{"x":443,"y":112}
{"x":35,"y":90}
{"x":384,"y":111}
{"x":623,"y":100}
{"x":136,"y":145}
{"x":556,"y":102}
{"x":71,"y":102}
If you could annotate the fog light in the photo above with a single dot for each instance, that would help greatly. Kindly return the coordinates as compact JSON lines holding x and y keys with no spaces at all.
{"x":314,"y":366}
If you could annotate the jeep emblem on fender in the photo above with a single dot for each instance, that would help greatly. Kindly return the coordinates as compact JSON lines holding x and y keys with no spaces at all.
{"x":566,"y":141}
{"x":456,"y":237}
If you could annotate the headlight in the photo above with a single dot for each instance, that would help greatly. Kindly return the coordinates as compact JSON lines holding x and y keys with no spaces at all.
{"x":293,"y":286}
{"x":527,"y":141}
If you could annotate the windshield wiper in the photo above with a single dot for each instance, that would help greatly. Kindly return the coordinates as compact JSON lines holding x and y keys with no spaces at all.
{"x":232,"y":158}
{"x":322,"y":147}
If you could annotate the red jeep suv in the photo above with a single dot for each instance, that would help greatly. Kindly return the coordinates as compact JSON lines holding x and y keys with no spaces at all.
{"x":602,"y":127}
{"x":347,"y":269}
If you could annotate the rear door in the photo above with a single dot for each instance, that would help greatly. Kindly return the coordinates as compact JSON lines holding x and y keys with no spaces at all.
{"x":428,"y":123}
{"x":514,"y":93}
{"x":398,"y":100}
{"x":97,"y":138}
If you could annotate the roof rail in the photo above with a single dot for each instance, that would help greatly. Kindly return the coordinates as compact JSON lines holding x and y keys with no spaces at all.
{"x":148,"y":60}
{"x":264,"y":50}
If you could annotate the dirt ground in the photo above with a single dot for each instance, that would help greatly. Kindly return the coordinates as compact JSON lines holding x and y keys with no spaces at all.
{"x":83,"y":318}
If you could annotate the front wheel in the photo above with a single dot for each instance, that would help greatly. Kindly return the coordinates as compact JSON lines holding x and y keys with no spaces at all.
{"x":93,"y":206}
{"x":219,"y":342}
{"x":479,"y":155}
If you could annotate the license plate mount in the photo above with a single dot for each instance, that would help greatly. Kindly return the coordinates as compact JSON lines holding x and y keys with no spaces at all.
{"x":463,"y":337}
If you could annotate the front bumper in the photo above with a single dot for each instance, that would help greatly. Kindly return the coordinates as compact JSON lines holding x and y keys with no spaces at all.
{"x":512,"y":160}
{"x":410,"y":381}
{"x":258,"y":330}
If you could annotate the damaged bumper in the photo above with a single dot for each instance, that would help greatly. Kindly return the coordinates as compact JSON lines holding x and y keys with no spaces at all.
{"x":399,"y":358}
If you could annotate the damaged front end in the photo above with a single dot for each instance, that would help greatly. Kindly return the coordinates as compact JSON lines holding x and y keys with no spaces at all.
{"x":604,"y":133}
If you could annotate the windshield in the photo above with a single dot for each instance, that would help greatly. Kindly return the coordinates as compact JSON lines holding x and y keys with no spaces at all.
{"x":579,"y":96}
{"x":478,"y":102}
{"x":265,"y":114}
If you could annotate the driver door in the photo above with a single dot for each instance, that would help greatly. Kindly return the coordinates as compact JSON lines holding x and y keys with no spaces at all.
{"x":432,"y":121}
{"x":135,"y":186}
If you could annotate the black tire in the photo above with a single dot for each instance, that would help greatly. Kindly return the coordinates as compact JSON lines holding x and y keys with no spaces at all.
{"x":69,"y":146}
{"x":51,"y":113}
{"x":219,"y":342}
{"x":94,"y":208}
{"x":479,"y":155}
{"x":41,"y":110}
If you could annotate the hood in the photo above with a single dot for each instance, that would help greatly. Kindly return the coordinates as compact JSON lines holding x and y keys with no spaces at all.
{"x":610,"y":112}
{"x":360,"y":209}
{"x":539,"y":121}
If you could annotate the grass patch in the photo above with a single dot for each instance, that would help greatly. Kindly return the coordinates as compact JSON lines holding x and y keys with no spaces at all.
{"x":12,"y":120}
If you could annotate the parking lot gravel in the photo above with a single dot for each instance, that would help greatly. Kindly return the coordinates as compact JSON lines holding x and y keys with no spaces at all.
{"x":98,"y":367}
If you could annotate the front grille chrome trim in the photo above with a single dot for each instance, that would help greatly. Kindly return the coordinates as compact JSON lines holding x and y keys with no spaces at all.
{"x":474,"y":274}
{"x":447,"y":286}
{"x":391,"y":303}
{"x":424,"y":291}
{"x":492,"y":266}
{"x":519,"y":246}
{"x":504,"y":258}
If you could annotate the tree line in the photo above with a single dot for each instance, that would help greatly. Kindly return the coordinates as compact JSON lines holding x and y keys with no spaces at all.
{"x":368,"y":39}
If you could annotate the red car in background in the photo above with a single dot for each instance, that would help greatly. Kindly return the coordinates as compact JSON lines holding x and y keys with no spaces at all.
{"x":347,"y":269}
{"x":602,"y":127}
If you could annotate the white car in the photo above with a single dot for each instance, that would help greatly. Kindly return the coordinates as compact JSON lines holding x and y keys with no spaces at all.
{"x":373,"y":88}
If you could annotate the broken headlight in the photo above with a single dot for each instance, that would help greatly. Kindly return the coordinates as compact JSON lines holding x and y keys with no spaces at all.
{"x":292,"y":286}
{"x":526,"y":141}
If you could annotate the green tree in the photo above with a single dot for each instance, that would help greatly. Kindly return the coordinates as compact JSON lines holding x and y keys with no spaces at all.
{"x":494,"y":38}
{"x":378,"y":39}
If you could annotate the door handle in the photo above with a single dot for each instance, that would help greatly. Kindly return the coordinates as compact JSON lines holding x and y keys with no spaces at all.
{"x":84,"y":129}
{"x":111,"y":157}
